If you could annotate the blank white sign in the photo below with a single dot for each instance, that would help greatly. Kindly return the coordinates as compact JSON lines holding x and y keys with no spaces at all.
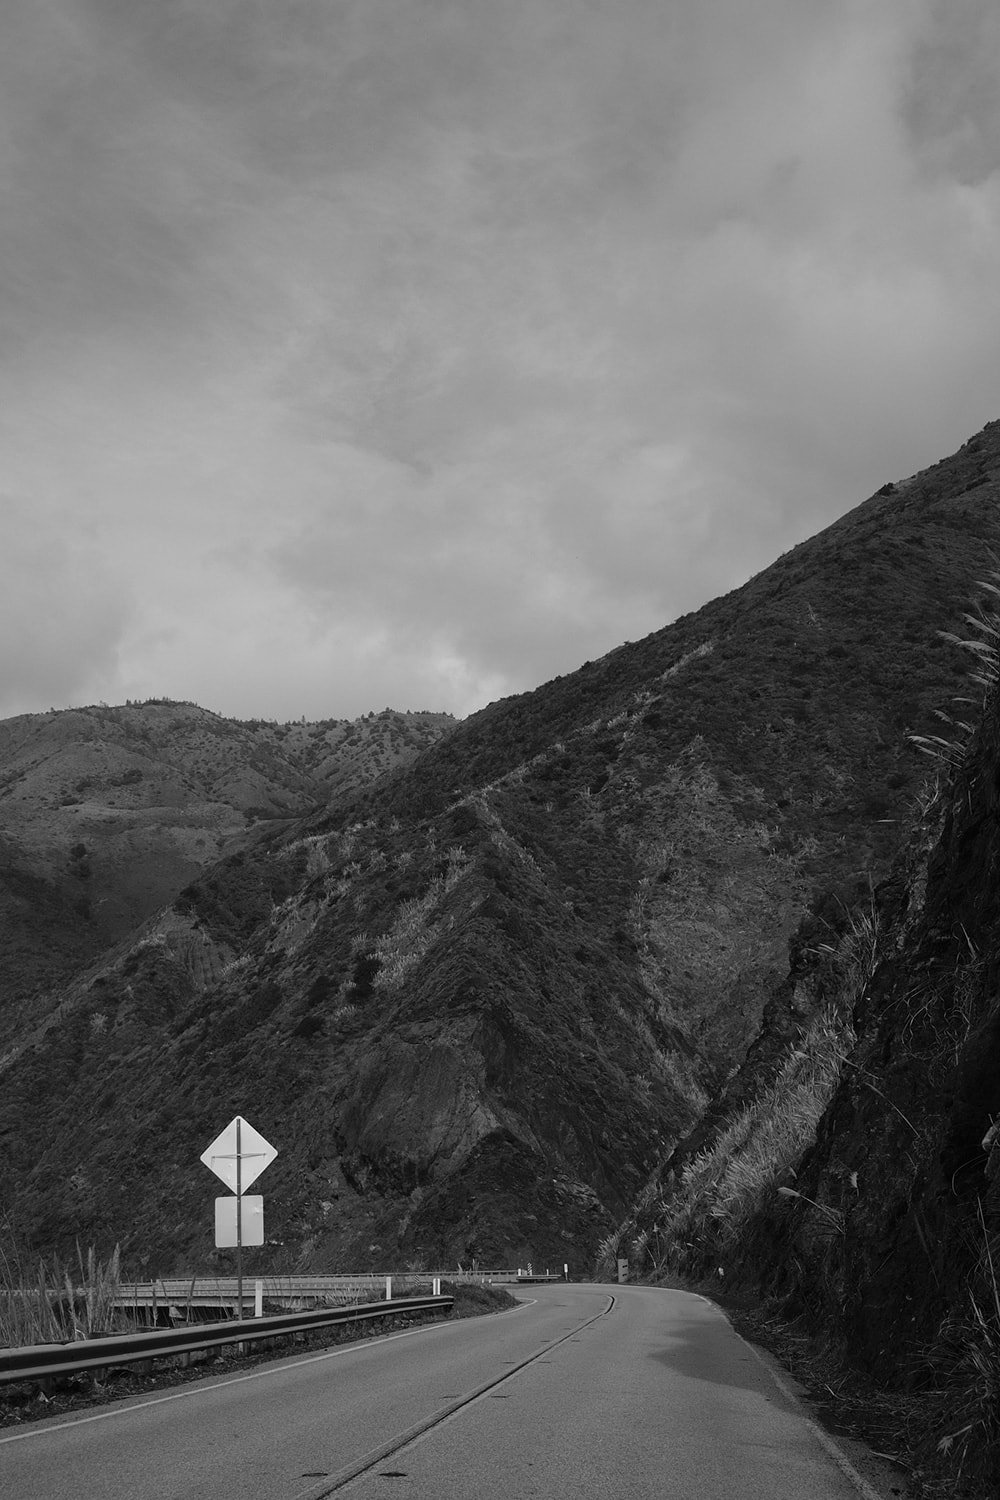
{"x":251,"y":1220}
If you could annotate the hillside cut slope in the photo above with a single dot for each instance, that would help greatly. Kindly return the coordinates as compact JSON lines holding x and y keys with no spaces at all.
{"x":878,"y":1230}
{"x":476,"y":1008}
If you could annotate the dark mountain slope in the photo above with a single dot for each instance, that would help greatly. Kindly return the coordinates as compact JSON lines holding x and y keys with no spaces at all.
{"x":884,"y":1241}
{"x":478,"y":1007}
{"x":106,"y":813}
{"x":813,"y":644}
{"x":372,"y":1097}
{"x":916,"y":1103}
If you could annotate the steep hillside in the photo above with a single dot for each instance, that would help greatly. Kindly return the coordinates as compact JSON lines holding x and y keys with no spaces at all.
{"x":106,"y":813}
{"x":857,"y":1186}
{"x":891,"y":1241}
{"x":815,"y":661}
{"x":478,"y":1008}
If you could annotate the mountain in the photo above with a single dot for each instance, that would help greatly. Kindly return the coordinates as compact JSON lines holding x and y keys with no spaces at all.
{"x":887,"y":1236}
{"x":106,"y":813}
{"x":478,"y":1006}
{"x":849,"y":1174}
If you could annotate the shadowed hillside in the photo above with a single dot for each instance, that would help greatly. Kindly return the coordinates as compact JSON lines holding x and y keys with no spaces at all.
{"x":478,"y":1007}
{"x":851,"y":1172}
{"x":105,"y":813}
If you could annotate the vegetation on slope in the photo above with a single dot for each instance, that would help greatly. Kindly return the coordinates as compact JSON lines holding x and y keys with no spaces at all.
{"x":478,"y":1008}
{"x":108,"y":812}
{"x":860,"y":1188}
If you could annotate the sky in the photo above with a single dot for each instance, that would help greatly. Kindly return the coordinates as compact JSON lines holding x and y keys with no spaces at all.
{"x":367,"y":353}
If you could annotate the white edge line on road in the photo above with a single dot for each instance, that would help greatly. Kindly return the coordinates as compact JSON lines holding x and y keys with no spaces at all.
{"x":824,"y":1439}
{"x":200,"y":1389}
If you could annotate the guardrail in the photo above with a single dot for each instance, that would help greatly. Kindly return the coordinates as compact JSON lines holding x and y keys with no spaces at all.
{"x":42,"y":1361}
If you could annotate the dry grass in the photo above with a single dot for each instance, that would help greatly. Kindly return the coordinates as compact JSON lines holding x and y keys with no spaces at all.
{"x":48,"y":1302}
{"x":965,"y":1360}
{"x":728,"y":1183}
{"x":759,"y":1150}
{"x":698,"y":1222}
{"x":984,"y":648}
{"x":404,"y":944}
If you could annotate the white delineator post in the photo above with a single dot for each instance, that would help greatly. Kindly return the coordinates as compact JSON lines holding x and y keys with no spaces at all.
{"x":388,"y":1288}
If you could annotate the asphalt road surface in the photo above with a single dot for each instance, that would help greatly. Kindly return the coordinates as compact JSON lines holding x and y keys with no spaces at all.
{"x":621,"y":1393}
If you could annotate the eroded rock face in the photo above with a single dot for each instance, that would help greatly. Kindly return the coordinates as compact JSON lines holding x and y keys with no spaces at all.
{"x":418,"y":1105}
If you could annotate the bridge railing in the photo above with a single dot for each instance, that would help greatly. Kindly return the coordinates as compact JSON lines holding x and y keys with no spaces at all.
{"x":300,"y":1292}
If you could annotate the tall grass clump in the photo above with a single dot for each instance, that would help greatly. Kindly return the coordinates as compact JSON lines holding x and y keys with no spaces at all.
{"x":966,"y":1364}
{"x":50,"y":1301}
{"x":984,"y":649}
{"x":723,"y":1187}
{"x":404,"y":944}
{"x":691,"y":1224}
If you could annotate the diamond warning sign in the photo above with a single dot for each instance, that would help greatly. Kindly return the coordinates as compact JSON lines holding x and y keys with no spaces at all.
{"x":238,"y":1155}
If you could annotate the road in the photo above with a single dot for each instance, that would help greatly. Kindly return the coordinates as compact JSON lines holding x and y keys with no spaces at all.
{"x":583,"y":1390}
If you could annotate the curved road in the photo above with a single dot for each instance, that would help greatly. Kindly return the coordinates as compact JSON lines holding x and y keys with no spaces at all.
{"x":631,"y":1392}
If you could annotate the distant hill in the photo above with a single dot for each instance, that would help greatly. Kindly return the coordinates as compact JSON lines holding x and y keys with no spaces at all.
{"x":480,"y":1003}
{"x":106,"y":813}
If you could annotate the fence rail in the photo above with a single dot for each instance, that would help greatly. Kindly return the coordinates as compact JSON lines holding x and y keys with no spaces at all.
{"x":42,"y":1361}
{"x":292,"y":1291}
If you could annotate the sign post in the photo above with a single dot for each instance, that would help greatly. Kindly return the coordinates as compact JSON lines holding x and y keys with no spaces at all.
{"x":239,"y":1222}
{"x":238,"y":1156}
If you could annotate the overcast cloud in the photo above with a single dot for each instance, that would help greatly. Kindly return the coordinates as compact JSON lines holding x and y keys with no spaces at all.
{"x":410,"y":352}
